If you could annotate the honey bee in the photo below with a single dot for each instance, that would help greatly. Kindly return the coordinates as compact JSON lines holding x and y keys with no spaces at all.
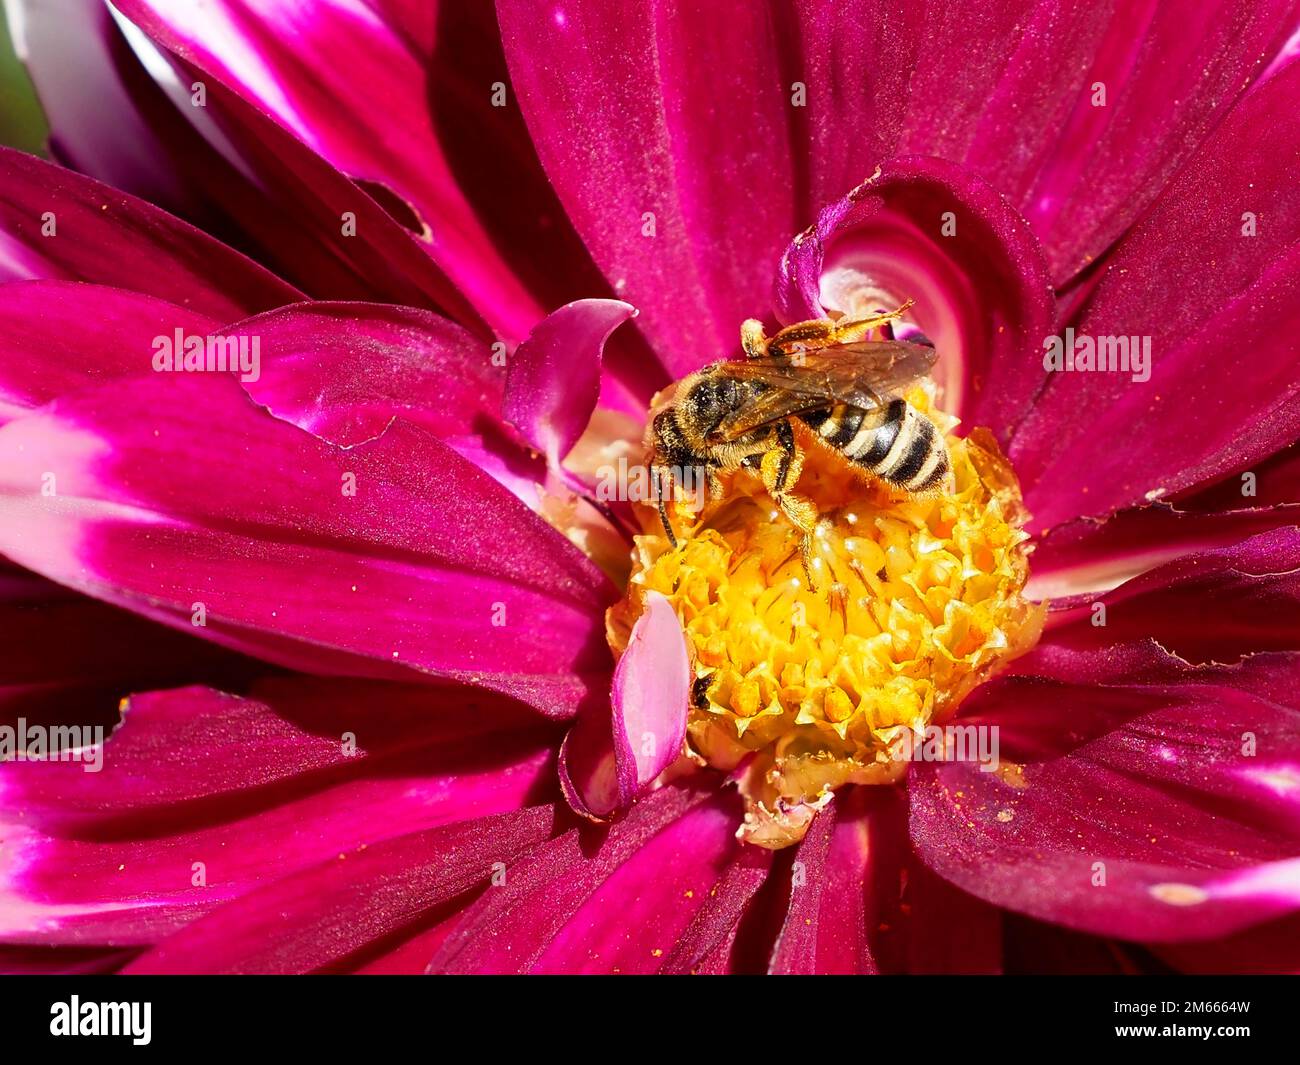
{"x":846,"y":389}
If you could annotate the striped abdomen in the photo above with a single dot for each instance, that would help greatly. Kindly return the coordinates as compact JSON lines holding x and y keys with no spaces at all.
{"x":897,"y":444}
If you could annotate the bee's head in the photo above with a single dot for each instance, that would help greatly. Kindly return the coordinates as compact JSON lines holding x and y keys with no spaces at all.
{"x":712,"y":398}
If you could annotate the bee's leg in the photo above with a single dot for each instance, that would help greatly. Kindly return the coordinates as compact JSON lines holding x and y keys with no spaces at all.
{"x":752,"y":339}
{"x":780,"y":468}
{"x":661,"y":478}
{"x":803,"y":336}
{"x":847,"y":331}
{"x":715,"y":483}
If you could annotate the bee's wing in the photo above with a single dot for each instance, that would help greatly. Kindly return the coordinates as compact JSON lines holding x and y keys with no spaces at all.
{"x":862,"y":374}
{"x":766,"y":407}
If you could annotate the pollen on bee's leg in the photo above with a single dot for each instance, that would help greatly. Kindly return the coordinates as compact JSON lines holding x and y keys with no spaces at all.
{"x":811,"y":685}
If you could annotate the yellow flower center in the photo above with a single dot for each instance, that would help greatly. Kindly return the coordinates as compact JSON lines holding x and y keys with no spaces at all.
{"x":915,"y":600}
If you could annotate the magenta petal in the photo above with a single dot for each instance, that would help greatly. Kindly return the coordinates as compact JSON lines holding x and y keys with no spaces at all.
{"x":679,"y":179}
{"x":387,"y":109}
{"x":334,"y":237}
{"x":1253,"y":592}
{"x":554,"y":376}
{"x":68,"y":659}
{"x":185,"y":745}
{"x":587,"y":770}
{"x":254,"y":793}
{"x":982,"y":291}
{"x":1081,"y":173}
{"x":1084,"y":556}
{"x":1009,"y":91}
{"x":105,"y":236}
{"x":616,"y":900}
{"x":603,"y":772}
{"x":949,"y":931}
{"x":457,"y":578}
{"x":1177,"y":821}
{"x":1266,"y":949}
{"x":321,"y":915}
{"x":82,"y":71}
{"x":343,"y":371}
{"x":796,"y":946}
{"x":707,"y":944}
{"x":58,"y":337}
{"x":843,"y":909}
{"x":1220,"y":291}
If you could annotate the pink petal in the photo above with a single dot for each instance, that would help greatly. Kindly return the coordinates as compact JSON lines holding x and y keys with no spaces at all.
{"x":408,"y":115}
{"x":949,"y":931}
{"x":708,"y":943}
{"x":554,"y":375}
{"x":1008,"y":91}
{"x":103,"y":866}
{"x":1085,"y":556}
{"x":1135,"y":812}
{"x":661,"y":152}
{"x":651,"y":694}
{"x":63,"y":336}
{"x":160,"y":536}
{"x":1220,"y":291}
{"x":189,"y":744}
{"x":67,"y":659}
{"x":82,"y":71}
{"x":334,"y":237}
{"x":1266,"y":949}
{"x":981,"y":290}
{"x":1217,"y":605}
{"x":344,"y":371}
{"x":616,"y":900}
{"x":103,"y":235}
{"x":322,"y":914}
{"x":603,"y":773}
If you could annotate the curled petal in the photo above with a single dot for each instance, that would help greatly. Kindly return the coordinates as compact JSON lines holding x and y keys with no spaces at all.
{"x":651,"y":694}
{"x":607,"y":764}
{"x":554,"y":376}
{"x":927,"y":230}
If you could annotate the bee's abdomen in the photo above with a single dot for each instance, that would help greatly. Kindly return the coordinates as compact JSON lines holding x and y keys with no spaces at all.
{"x":903,"y":448}
{"x":837,"y":425}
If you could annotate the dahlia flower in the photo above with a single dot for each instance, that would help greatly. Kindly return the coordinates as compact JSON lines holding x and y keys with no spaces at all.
{"x":328,"y":328}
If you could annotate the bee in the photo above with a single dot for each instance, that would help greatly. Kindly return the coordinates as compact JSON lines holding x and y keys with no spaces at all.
{"x":846,"y":389}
